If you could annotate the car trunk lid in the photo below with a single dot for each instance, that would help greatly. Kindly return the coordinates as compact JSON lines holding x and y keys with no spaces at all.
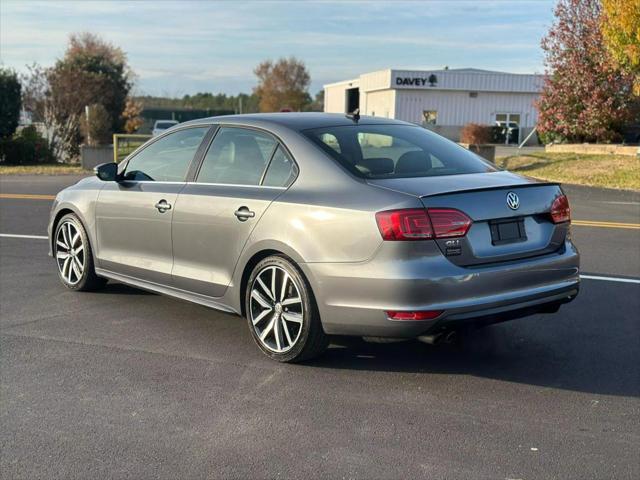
{"x":510,"y":214}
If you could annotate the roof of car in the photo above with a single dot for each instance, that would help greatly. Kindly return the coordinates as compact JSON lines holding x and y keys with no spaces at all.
{"x":296,"y":121}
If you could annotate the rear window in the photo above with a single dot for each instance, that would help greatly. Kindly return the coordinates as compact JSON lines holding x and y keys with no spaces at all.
{"x":396,"y":151}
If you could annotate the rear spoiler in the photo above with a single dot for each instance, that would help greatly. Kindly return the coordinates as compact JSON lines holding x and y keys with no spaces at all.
{"x":500,"y":187}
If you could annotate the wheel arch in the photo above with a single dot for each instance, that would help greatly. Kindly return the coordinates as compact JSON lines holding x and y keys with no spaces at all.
{"x":248,"y":268}
{"x":56,"y":220}
{"x":257,"y":256}
{"x":63,"y":210}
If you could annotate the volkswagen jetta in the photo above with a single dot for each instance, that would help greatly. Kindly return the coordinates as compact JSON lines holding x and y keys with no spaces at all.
{"x":312,"y":225}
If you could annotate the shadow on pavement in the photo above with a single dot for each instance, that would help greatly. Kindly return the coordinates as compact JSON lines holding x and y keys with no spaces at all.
{"x":589,"y":362}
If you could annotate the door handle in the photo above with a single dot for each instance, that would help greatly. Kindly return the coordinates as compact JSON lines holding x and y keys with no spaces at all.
{"x":243,"y":213}
{"x":163,"y":206}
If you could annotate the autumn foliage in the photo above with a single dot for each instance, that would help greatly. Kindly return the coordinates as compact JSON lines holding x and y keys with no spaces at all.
{"x":282,"y":85}
{"x":586,"y":96}
{"x":131,"y":115}
{"x":621,"y":30}
{"x":92,"y":72}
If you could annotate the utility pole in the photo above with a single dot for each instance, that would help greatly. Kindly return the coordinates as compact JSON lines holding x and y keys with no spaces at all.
{"x":86,"y":112}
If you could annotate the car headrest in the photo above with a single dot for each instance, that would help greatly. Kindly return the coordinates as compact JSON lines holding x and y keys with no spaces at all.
{"x":413,"y":162}
{"x":377,"y":166}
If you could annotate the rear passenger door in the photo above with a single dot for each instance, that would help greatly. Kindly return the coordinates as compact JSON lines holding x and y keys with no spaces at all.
{"x":242,"y":172}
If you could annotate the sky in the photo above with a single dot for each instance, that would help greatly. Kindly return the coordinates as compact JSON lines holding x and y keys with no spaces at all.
{"x":184,"y":47}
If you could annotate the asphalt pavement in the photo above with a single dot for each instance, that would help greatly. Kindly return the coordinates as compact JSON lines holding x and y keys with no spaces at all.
{"x":127,"y":384}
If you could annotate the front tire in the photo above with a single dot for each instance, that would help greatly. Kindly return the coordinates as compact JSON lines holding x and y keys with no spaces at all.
{"x":281,"y":311}
{"x":74,"y":257}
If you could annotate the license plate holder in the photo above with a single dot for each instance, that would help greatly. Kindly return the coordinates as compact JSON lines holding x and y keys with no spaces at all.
{"x":509,"y":230}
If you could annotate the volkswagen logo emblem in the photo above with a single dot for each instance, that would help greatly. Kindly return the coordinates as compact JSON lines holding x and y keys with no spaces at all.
{"x":513,"y":202}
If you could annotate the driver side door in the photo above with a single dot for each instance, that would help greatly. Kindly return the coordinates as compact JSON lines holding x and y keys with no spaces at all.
{"x":133,"y":215}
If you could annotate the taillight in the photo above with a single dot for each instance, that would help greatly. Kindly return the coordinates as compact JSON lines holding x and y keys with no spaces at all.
{"x":560,"y":211}
{"x":420,"y":224}
{"x":449,"y":223}
{"x":407,"y":224}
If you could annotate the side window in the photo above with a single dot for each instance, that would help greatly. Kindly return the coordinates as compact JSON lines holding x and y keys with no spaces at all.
{"x":167,"y":159}
{"x":281,"y":170}
{"x":237,"y":156}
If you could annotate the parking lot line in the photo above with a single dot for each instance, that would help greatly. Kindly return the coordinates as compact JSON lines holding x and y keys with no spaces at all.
{"x":610,"y":279}
{"x":14,"y":235}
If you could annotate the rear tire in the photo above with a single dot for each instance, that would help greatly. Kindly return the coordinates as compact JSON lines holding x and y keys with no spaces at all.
{"x":282,"y":313}
{"x":74,"y":257}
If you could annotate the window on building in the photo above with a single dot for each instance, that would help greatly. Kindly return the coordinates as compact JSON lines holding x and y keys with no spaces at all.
{"x":508,"y":128}
{"x":473,"y":94}
{"x":430,"y":117}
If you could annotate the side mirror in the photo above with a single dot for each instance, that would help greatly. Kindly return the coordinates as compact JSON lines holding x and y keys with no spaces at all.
{"x":107,"y":172}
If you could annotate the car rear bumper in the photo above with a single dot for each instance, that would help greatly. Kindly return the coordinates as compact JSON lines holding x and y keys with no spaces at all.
{"x":415,"y":276}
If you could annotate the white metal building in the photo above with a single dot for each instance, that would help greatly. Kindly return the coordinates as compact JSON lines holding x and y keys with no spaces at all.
{"x":443,"y":100}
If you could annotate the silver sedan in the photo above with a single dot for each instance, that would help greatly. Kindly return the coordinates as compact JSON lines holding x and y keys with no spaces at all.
{"x":313,"y":225}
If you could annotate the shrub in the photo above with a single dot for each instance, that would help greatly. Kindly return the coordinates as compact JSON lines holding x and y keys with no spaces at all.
{"x":476,"y":134}
{"x":27,"y":147}
{"x":98,"y":129}
{"x":131,"y":115}
{"x":548,"y":137}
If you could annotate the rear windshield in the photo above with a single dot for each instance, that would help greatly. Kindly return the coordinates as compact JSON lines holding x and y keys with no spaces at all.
{"x":396,"y":151}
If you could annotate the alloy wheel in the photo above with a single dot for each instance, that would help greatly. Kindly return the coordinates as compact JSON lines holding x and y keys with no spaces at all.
{"x":276,"y":309}
{"x":70,"y":253}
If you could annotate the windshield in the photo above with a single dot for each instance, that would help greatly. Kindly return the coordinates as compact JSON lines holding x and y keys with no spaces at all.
{"x":396,"y":151}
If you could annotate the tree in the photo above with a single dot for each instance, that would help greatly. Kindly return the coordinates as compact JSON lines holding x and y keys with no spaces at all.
{"x":318,"y":102}
{"x":10,"y":102}
{"x":91,"y":72}
{"x":34,"y":91}
{"x":131,"y":115}
{"x":585,"y":96}
{"x":621,"y":31}
{"x":106,"y":69}
{"x":283,"y":84}
{"x":206,"y":101}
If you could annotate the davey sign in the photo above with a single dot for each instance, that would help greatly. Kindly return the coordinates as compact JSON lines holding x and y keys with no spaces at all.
{"x":416,"y":82}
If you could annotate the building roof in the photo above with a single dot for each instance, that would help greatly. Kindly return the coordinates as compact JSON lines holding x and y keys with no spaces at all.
{"x":462,"y":70}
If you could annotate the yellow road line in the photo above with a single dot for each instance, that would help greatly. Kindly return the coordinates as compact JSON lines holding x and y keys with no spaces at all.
{"x":27,"y":196}
{"x":589,"y":223}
